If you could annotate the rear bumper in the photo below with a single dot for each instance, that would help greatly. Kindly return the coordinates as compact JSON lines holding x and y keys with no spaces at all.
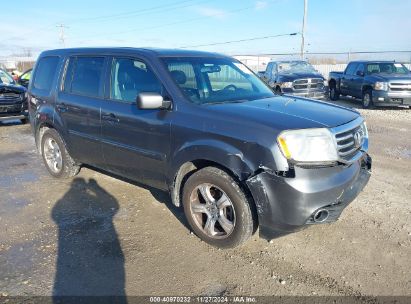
{"x":287,"y":204}
{"x":384,"y":98}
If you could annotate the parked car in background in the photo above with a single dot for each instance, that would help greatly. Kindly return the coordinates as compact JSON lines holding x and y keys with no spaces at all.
{"x":296,"y":78}
{"x":24,"y":79}
{"x":205,"y":128}
{"x":13,"y":99}
{"x":377,"y":83}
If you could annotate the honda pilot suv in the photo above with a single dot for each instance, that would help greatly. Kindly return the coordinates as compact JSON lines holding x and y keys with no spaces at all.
{"x":202,"y":126}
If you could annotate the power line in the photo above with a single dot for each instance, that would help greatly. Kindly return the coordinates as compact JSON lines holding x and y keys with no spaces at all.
{"x":236,"y":41}
{"x":324,"y":53}
{"x":157,"y":9}
{"x":150,"y":10}
{"x":168,"y":24}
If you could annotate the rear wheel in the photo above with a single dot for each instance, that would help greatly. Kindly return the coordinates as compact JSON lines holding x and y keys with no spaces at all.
{"x":56,"y":157}
{"x":334,"y":93}
{"x":24,"y":120}
{"x":217,"y":209}
{"x":367,"y":100}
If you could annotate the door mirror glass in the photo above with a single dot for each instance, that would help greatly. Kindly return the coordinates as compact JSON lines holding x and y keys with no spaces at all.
{"x":151,"y":101}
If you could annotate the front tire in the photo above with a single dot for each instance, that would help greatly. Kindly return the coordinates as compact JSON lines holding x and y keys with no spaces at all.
{"x":56,"y":157}
{"x":217,"y":209}
{"x":367,"y":100}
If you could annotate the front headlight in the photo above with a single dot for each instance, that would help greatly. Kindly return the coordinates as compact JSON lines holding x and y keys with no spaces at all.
{"x":325,"y":82}
{"x":381,"y":86}
{"x":308,"y":145}
{"x":286,"y":85}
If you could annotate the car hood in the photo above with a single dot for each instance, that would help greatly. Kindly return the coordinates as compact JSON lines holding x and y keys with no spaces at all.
{"x":287,"y":112}
{"x":285,"y":77}
{"x":390,"y":77}
{"x":11,"y":88}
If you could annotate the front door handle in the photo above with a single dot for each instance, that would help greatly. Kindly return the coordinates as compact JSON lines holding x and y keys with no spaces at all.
{"x":62,"y":107}
{"x":110,"y":117}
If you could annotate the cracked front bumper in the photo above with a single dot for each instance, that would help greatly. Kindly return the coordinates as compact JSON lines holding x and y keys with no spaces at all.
{"x":287,"y":204}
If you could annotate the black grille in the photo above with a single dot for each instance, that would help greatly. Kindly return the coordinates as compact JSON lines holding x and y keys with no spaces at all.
{"x":10,"y":96}
{"x":347,"y":144}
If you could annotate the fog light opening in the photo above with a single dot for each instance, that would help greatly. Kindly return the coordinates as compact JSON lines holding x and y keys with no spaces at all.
{"x":320,"y":216}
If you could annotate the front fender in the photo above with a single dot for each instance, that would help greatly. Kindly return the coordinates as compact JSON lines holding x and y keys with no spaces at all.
{"x":219,"y":152}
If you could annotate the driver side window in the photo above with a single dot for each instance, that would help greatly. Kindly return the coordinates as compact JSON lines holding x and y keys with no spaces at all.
{"x":131,"y":77}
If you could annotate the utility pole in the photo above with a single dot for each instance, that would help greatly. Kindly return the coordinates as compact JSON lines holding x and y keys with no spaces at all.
{"x":62,"y":36}
{"x":303,"y":30}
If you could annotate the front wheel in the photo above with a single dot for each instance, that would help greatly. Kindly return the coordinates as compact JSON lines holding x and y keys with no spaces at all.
{"x":56,"y":157}
{"x":217,"y":209}
{"x":367,"y":100}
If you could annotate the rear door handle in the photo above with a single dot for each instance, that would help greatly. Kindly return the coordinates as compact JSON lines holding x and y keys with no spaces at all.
{"x":110,"y":117}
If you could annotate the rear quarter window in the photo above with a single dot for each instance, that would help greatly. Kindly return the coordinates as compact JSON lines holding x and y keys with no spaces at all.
{"x":45,"y":72}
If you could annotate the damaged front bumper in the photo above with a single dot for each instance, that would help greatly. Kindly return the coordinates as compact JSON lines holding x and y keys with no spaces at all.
{"x":287,"y":204}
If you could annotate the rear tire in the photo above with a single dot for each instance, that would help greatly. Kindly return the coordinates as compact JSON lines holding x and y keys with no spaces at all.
{"x":334,"y":93}
{"x":367,"y":100}
{"x":24,"y":121}
{"x":56,"y":157}
{"x":217,"y":209}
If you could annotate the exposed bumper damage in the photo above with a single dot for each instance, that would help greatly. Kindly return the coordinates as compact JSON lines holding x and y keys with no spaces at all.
{"x":287,"y":204}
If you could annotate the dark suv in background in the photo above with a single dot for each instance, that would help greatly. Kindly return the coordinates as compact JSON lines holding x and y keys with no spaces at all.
{"x":204,"y":128}
{"x":13,"y":101}
{"x":296,"y":78}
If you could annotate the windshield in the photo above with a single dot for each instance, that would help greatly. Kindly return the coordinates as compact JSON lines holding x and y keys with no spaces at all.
{"x":387,"y":68}
{"x":216,"y":80}
{"x":5,"y":78}
{"x":295,"y":67}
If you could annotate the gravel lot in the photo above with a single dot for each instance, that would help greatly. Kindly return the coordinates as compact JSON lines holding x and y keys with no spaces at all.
{"x":97,"y":234}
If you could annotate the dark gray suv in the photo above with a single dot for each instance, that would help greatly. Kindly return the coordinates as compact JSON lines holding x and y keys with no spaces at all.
{"x":206,"y":129}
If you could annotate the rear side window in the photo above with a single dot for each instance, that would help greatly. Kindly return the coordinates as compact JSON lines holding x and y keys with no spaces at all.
{"x":84,"y":76}
{"x":45,"y":73}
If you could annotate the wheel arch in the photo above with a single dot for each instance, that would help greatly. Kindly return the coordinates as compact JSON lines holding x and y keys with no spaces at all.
{"x":189,"y":167}
{"x":366,"y":87}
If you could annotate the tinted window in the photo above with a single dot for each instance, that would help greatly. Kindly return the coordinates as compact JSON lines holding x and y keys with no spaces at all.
{"x":351,"y":69}
{"x":183,"y":72}
{"x":360,"y":68}
{"x":274,"y":71}
{"x":269,"y":68}
{"x":131,"y":77}
{"x":219,"y":80}
{"x":386,"y":67}
{"x":84,"y":76}
{"x":45,"y":72}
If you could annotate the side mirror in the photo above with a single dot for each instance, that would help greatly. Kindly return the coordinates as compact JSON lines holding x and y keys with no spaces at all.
{"x":360,"y":73}
{"x":152,"y":101}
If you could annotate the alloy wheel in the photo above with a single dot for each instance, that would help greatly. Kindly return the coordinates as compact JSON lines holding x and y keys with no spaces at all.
{"x":212,"y":211}
{"x":52,"y":154}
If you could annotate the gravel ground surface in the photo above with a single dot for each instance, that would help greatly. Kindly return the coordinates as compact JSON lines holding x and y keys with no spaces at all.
{"x":97,"y":234}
